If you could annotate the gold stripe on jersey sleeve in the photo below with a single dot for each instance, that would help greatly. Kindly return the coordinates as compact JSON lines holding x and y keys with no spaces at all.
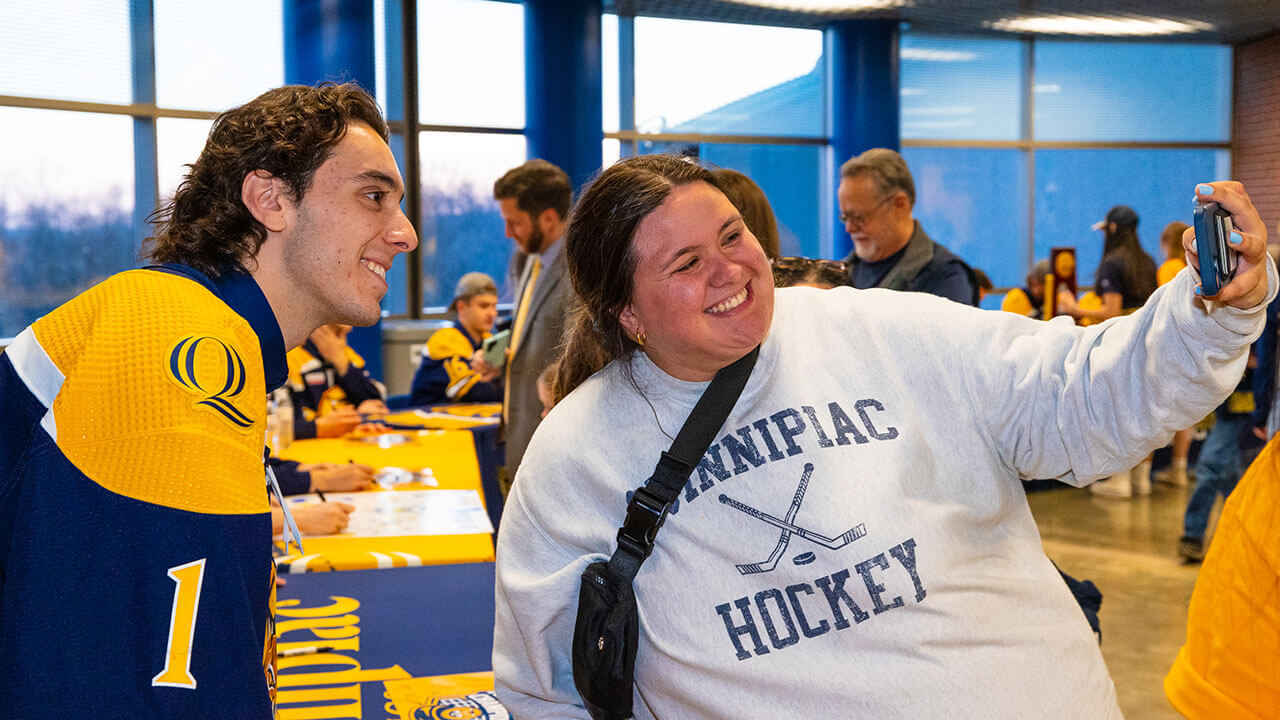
{"x":164,"y":399}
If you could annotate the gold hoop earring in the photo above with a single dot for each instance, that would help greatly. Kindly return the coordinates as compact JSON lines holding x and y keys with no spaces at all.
{"x":640,"y":338}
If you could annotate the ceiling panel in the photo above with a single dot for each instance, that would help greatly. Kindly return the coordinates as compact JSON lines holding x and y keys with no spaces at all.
{"x":1225,"y":21}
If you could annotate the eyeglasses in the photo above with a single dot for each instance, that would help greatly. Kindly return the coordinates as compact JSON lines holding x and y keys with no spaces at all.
{"x":860,"y":219}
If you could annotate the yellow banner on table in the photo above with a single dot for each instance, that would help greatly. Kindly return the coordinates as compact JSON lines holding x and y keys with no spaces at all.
{"x":465,"y":695}
{"x":335,"y":552}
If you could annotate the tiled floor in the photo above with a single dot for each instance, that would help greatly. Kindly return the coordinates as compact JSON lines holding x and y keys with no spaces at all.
{"x":1129,"y":549}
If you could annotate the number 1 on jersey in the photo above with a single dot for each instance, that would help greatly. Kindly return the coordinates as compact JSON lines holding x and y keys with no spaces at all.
{"x":182,"y":625}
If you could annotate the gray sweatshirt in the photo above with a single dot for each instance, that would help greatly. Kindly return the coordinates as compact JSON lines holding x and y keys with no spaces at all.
{"x":856,"y":543}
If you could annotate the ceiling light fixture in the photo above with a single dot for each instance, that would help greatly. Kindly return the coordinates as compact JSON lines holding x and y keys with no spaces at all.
{"x":934,"y":55}
{"x":831,"y":6}
{"x":1097,"y":25}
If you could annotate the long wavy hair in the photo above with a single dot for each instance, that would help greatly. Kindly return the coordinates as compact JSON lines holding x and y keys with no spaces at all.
{"x":288,"y":132}
{"x":602,"y":262}
{"x":1137,"y":266}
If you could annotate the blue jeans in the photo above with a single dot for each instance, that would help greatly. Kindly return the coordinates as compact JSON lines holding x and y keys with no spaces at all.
{"x":1217,"y":471}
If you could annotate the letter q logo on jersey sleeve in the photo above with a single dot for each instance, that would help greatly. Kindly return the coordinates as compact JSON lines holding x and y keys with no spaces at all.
{"x":213,"y":371}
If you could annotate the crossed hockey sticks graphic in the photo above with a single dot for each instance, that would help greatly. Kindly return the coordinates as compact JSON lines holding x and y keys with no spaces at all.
{"x":785,"y":538}
{"x":789,"y":529}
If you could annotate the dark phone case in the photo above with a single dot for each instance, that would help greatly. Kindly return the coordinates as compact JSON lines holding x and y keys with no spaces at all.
{"x":1217,"y":261}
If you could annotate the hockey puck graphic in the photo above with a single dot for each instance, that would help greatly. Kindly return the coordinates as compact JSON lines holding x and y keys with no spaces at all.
{"x":803,"y":558}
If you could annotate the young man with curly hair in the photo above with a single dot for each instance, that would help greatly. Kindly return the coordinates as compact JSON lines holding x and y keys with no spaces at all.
{"x":136,"y":577}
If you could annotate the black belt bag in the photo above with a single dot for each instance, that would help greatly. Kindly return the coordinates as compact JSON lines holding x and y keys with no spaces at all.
{"x":607,"y":630}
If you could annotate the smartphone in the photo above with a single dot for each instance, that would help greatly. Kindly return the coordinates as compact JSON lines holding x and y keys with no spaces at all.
{"x":1217,"y":259}
{"x":495,"y":348}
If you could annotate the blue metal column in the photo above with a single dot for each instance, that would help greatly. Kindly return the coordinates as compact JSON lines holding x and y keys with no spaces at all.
{"x":329,"y":40}
{"x":564,"y":107}
{"x":146,"y":191}
{"x":862,"y":57}
{"x":332,"y":40}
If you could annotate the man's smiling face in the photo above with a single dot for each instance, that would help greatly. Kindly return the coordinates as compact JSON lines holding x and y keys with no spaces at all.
{"x":347,"y":230}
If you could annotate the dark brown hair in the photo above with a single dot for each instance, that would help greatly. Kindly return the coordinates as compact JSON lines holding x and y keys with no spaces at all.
{"x":288,"y":132}
{"x":1171,"y":240}
{"x":1136,"y":266}
{"x":602,"y":261}
{"x":536,"y":185}
{"x":750,"y":200}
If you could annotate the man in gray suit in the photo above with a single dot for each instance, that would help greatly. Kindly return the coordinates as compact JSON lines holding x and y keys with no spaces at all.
{"x":534,"y":200}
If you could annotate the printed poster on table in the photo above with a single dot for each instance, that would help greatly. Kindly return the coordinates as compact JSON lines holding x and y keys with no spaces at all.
{"x":393,"y":513}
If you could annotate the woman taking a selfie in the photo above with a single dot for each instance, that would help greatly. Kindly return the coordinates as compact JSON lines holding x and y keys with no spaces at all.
{"x":889,"y":429}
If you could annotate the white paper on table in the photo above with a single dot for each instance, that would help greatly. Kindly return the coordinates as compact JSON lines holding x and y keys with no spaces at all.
{"x":462,"y":420}
{"x":410,"y":512}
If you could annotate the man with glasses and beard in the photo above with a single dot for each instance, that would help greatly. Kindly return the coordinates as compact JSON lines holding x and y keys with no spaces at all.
{"x":890,"y":249}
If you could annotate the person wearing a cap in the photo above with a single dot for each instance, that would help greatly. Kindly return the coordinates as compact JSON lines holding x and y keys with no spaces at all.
{"x":447,"y":373}
{"x":1126,"y":275}
{"x":1125,"y":278}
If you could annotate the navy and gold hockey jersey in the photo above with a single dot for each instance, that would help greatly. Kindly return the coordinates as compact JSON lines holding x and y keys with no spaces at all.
{"x":445,"y":375}
{"x":136,"y":578}
{"x":316,"y":388}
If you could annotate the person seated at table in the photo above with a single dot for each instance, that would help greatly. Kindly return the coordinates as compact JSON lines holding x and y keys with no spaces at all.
{"x":1029,"y":300}
{"x":330,"y":388}
{"x":297,"y":478}
{"x":322,"y":518}
{"x":448,"y":372}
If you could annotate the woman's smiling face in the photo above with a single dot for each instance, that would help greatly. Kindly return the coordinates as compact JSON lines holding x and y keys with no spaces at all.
{"x":703,"y":289}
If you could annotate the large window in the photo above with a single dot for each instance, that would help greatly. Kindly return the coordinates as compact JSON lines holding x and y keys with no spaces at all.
{"x":701,"y":77}
{"x":1092,"y":91}
{"x":966,"y":88}
{"x":461,"y":229}
{"x":66,"y":50}
{"x":65,"y":223}
{"x":471,"y":63}
{"x":470,"y":84}
{"x":1018,"y":146}
{"x":236,"y":54}
{"x":736,"y":107}
{"x":1076,"y":188}
{"x":974,"y":201}
{"x":87,"y":150}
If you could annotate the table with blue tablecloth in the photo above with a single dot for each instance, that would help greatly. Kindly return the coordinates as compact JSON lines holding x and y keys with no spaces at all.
{"x":377,"y":625}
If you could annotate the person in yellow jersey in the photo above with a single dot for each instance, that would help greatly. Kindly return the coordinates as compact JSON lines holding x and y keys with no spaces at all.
{"x":329,"y":387}
{"x":136,"y":577}
{"x":534,"y":200}
{"x":1029,"y":300}
{"x":1175,"y":256}
{"x":1230,"y":664}
{"x":447,"y":373}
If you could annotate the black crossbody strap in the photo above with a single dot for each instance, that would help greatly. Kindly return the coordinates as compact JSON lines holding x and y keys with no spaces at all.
{"x":649,"y":504}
